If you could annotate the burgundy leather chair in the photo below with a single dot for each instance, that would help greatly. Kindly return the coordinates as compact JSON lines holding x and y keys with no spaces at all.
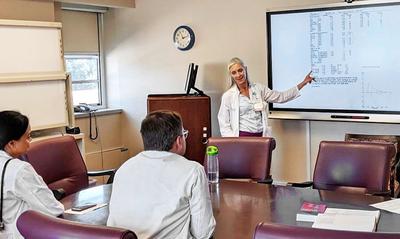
{"x":280,"y":231}
{"x":358,"y":167}
{"x":244,"y":157}
{"x":394,"y":182}
{"x":35,"y":225}
{"x":59,"y":161}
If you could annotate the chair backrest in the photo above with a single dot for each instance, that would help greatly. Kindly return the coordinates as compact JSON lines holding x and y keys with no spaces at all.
{"x":353,"y":166}
{"x":280,"y":231}
{"x":35,"y":225}
{"x":394,"y":181}
{"x":244,"y":157}
{"x":60,"y":163}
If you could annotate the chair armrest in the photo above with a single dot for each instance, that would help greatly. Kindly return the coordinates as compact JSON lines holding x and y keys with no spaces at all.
{"x":109,"y":172}
{"x":101,"y":172}
{"x":266,"y":181}
{"x":58,"y":193}
{"x":301,"y":185}
{"x":384,"y":194}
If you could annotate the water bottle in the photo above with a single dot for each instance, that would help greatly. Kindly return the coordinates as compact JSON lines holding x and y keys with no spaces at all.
{"x":212,"y":164}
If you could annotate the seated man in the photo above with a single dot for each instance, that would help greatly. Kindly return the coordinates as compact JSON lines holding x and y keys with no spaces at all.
{"x":159,"y":193}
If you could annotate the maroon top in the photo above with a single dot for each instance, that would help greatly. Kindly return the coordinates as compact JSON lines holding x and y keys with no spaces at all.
{"x":249,"y":134}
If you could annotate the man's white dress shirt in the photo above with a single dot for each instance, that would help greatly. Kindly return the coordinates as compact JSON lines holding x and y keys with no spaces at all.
{"x":159,"y":194}
{"x":24,"y":190}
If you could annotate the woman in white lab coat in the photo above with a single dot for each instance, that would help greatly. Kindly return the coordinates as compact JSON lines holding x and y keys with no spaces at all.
{"x":243,"y":107}
{"x":23,"y":188}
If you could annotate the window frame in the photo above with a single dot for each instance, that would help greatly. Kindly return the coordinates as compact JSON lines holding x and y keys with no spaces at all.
{"x":101,"y":70}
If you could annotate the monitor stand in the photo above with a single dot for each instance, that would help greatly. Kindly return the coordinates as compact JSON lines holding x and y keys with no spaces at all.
{"x":198,"y":92}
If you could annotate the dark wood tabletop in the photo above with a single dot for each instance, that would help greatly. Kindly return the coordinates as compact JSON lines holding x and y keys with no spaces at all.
{"x":239,"y":206}
{"x":98,"y":194}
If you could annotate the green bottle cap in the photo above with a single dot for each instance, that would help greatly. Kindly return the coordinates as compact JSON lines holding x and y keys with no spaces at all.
{"x":212,"y":150}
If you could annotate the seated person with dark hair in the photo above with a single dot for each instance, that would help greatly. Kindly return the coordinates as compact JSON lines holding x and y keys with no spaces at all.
{"x":159,"y":193}
{"x":24,"y":189}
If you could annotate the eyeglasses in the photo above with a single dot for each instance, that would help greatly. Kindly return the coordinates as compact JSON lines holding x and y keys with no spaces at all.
{"x":185,"y":133}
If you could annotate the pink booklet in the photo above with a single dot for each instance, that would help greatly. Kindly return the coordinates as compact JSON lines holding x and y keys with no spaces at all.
{"x":312,"y":207}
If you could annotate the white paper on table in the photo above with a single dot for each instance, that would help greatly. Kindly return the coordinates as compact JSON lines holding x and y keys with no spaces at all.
{"x":391,"y":205}
{"x":347,"y":219}
{"x":100,"y":205}
{"x":345,"y":222}
{"x":375,"y":213}
{"x":306,"y":217}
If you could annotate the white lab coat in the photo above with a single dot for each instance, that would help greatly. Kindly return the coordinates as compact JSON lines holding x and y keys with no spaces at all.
{"x":159,"y":194}
{"x":24,"y":190}
{"x":228,"y":115}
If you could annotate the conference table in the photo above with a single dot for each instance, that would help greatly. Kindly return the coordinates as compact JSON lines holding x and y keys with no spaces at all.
{"x":239,"y":206}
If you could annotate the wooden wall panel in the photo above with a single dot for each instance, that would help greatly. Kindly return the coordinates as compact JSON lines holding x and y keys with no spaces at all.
{"x":104,"y":3}
{"x":39,"y":10}
{"x":196,"y":116}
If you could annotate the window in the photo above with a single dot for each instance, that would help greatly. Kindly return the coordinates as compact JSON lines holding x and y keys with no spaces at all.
{"x":82,"y":35}
{"x":84,"y":70}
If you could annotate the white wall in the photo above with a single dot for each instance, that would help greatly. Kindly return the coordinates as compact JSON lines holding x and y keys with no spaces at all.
{"x":141,"y":59}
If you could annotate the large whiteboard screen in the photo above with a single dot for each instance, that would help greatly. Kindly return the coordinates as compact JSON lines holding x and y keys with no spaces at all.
{"x":33,"y":43}
{"x":352,"y":50}
{"x":44,"y":102}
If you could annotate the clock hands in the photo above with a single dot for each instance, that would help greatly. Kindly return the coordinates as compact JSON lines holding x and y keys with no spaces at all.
{"x":183,"y":37}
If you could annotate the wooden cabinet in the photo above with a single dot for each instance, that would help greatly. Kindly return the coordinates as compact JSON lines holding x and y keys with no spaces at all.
{"x":196,"y":116}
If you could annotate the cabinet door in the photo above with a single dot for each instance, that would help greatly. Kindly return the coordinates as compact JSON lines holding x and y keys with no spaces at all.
{"x":196,"y":116}
{"x":94,"y":163}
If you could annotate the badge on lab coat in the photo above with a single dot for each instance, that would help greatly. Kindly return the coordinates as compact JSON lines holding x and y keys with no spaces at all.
{"x":258,"y":106}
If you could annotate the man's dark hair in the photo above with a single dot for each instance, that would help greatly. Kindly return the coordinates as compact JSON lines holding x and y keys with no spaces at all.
{"x":160,"y":129}
{"x":12,"y":126}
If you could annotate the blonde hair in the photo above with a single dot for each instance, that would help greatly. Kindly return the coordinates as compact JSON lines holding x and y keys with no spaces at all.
{"x":234,"y":61}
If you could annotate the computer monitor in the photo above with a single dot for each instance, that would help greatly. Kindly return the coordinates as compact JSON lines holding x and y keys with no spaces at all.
{"x":191,"y":80}
{"x":352,"y":51}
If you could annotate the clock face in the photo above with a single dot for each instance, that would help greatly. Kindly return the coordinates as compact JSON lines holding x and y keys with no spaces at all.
{"x":183,"y":38}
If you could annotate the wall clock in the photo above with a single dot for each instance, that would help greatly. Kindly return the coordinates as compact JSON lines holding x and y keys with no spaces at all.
{"x":183,"y":38}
